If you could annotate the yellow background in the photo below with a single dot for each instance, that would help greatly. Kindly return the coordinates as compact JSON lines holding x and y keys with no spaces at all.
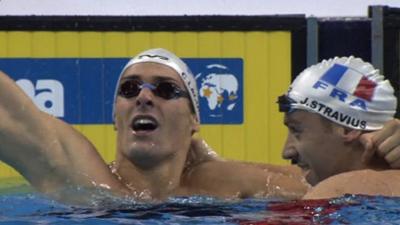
{"x":267,"y":71}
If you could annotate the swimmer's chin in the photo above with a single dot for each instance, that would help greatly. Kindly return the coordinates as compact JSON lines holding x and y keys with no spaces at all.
{"x":308,"y":176}
{"x":305,"y":169}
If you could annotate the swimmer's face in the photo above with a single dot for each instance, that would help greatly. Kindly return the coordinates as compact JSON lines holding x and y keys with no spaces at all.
{"x":316,"y":145}
{"x":151,"y":128}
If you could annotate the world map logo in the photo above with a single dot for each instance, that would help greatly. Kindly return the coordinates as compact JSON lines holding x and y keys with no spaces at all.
{"x":220,"y":88}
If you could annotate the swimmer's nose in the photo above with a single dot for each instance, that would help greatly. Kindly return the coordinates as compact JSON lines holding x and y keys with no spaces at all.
{"x":145,"y":98}
{"x":289,"y":150}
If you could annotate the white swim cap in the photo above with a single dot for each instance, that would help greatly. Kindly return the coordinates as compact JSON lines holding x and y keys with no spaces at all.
{"x":345,"y":90}
{"x":162,"y":56}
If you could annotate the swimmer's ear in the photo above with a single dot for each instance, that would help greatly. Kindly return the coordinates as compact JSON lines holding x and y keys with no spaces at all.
{"x":115,"y":124}
{"x":350,"y":135}
{"x":196,"y":124}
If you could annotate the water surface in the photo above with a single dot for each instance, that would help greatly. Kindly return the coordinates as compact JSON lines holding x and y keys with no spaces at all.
{"x":20,"y":204}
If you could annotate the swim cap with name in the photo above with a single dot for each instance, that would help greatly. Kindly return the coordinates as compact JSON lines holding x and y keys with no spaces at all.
{"x":347,"y":91}
{"x":162,"y":56}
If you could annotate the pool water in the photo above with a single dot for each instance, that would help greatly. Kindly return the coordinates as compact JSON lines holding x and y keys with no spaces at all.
{"x":21,"y":205}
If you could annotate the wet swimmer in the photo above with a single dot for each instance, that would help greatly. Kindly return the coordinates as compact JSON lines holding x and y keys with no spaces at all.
{"x":156,"y":114}
{"x":214,"y":177}
{"x":328,"y":108}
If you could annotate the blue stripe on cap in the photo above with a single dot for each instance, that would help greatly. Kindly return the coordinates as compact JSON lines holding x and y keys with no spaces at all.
{"x":334,"y":74}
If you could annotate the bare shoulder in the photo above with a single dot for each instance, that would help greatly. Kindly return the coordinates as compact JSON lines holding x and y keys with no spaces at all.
{"x":368,"y":182}
{"x":242,"y":179}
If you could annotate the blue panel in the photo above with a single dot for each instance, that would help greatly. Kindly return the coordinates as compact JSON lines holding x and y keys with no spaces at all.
{"x":87,"y":87}
{"x":334,"y":74}
{"x":220,"y":83}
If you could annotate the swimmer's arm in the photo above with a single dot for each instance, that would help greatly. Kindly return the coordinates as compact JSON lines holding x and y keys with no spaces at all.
{"x":366,"y":182}
{"x":289,"y":170}
{"x":50,"y":154}
{"x":201,"y":152}
{"x":238,"y":179}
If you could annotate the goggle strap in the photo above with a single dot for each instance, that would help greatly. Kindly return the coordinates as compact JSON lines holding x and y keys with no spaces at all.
{"x":285,"y":103}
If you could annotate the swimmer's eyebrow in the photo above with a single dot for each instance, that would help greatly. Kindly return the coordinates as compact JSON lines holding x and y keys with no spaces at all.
{"x":155,"y":79}
{"x":131,"y":77}
{"x":163,"y":78}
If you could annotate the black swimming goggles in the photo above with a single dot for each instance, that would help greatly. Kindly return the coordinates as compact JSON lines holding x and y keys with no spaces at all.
{"x":166,"y":90}
{"x":285,"y":104}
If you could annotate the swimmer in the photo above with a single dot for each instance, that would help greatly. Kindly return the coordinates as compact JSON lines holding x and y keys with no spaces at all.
{"x":328,"y":108}
{"x":156,"y":114}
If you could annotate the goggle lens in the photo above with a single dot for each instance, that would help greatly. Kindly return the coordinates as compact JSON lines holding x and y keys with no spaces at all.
{"x":165,"y":90}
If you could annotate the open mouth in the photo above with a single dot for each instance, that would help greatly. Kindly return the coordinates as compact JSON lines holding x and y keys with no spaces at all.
{"x":144,"y":123}
{"x":298,"y":162}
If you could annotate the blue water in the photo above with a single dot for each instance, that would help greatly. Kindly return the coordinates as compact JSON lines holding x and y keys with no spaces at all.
{"x":23,"y":206}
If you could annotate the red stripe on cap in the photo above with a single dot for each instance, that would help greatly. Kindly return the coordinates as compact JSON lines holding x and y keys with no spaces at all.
{"x":365,"y":89}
